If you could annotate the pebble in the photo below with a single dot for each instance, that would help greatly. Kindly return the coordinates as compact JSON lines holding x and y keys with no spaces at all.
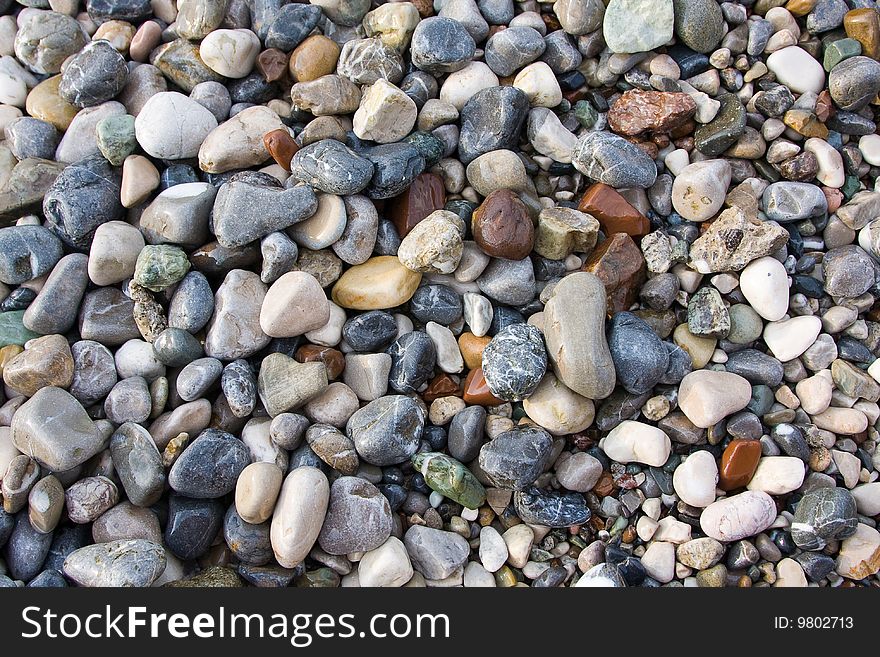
{"x":636,"y":442}
{"x":707,"y":397}
{"x":388,"y":565}
{"x":172,"y":126}
{"x":576,"y":343}
{"x":300,"y":511}
{"x":739,"y":516}
{"x":823,"y":515}
{"x":764,"y":284}
{"x":599,"y":156}
{"x":358,"y":517}
{"x":435,"y":553}
{"x":632,"y":26}
{"x":387,"y":430}
{"x":698,"y":190}
{"x":789,"y":338}
{"x":134,"y":562}
{"x":514,"y":362}
{"x":639,"y":356}
{"x":514,"y":459}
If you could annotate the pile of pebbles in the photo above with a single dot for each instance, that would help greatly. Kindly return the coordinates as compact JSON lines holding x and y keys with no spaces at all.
{"x":473,"y":293}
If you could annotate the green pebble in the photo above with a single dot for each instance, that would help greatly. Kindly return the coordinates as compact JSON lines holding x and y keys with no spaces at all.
{"x":585,"y":114}
{"x":428,"y":145}
{"x":116,"y":139}
{"x":160,"y":266}
{"x":450,"y":478}
{"x":12,"y":330}
{"x":850,"y":187}
{"x":322,"y":578}
{"x":839,"y":50}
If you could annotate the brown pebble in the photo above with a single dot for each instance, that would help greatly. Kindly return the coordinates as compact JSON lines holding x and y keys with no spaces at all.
{"x":281,"y":146}
{"x":738,"y":463}
{"x":144,"y":40}
{"x":441,"y":385}
{"x":614,"y":213}
{"x":476,"y":390}
{"x":502,"y":227}
{"x":472,"y":349}
{"x":426,"y":194}
{"x":272,"y":64}
{"x":313,"y":58}
{"x":619,"y":264}
{"x":333,"y":359}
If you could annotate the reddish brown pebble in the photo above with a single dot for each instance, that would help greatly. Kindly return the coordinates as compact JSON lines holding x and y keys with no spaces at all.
{"x":605,"y":486}
{"x":441,"y":385}
{"x":426,"y":194}
{"x":476,"y":391}
{"x":638,"y":111}
{"x":619,"y":264}
{"x":502,"y":227}
{"x":144,"y":40}
{"x":281,"y":147}
{"x":614,"y":212}
{"x":738,"y":463}
{"x":333,"y":359}
{"x":272,"y":64}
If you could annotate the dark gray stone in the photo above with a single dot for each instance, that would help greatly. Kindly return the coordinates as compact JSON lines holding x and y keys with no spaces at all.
{"x":824,"y":515}
{"x":395,"y":166}
{"x":192,"y":525}
{"x":755,"y":366}
{"x":491,"y":120}
{"x":26,"y":549}
{"x":94,"y":75}
{"x":516,"y":458}
{"x":507,"y":51}
{"x":244,"y":212}
{"x":387,"y":430}
{"x":249,"y":542}
{"x":84,"y":196}
{"x":192,"y":304}
{"x":640,"y":356}
{"x":210,"y":465}
{"x":854,"y":82}
{"x":413,"y":357}
{"x":27,"y":252}
{"x":466,"y":433}
{"x":436,"y":303}
{"x":370,"y":331}
{"x":331,"y":167}
{"x":175,"y":347}
{"x":28,"y":137}
{"x":608,"y":158}
{"x":550,"y":508}
{"x":138,"y":464}
{"x":292,"y":23}
{"x":441,"y":45}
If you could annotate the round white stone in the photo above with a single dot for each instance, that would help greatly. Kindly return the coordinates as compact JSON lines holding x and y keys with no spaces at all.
{"x":764,"y":283}
{"x":869,"y":147}
{"x":460,"y":86}
{"x":739,"y":516}
{"x":698,"y":191}
{"x":796,"y":69}
{"x":171,"y":126}
{"x":230,"y":53}
{"x":493,"y":549}
{"x":789,"y":338}
{"x":777,"y":475}
{"x":538,"y":82}
{"x":695,"y":479}
{"x":637,"y":442}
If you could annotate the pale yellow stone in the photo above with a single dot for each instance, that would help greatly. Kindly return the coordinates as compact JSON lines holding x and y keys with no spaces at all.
{"x":381,"y":282}
{"x":139,"y":178}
